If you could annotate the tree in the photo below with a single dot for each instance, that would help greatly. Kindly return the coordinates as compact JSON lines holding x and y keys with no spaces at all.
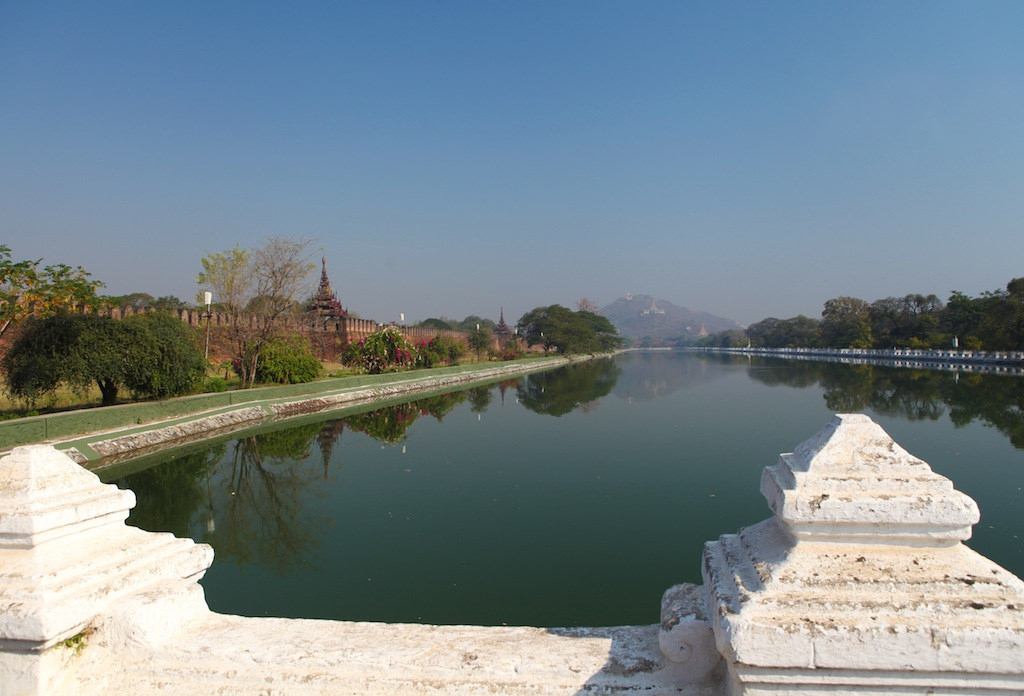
{"x":257,"y":290}
{"x":152,"y":355}
{"x":908,"y":321}
{"x":1002,"y":326}
{"x":170,"y":362}
{"x":566,"y":331}
{"x":287,"y":361}
{"x":480,"y":340}
{"x":846,"y":323}
{"x":470,"y":322}
{"x":585,"y":304}
{"x":26,"y":291}
{"x":435,"y":323}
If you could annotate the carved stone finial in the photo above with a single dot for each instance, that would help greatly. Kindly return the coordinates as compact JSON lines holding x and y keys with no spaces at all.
{"x":852,"y":482}
{"x":67,"y":556}
{"x":859,"y":581}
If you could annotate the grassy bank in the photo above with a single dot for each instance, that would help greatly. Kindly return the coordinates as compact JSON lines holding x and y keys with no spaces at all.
{"x":61,"y":426}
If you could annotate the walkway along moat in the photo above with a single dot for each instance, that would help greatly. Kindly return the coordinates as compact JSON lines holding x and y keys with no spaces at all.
{"x":859,"y":583}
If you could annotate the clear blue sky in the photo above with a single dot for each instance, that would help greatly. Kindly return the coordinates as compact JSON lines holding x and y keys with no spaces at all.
{"x":744,"y":158}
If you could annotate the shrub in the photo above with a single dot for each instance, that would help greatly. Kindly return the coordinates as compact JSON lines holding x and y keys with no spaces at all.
{"x":510,"y":351}
{"x":287,"y":361}
{"x":439,"y":350}
{"x":382,"y":351}
{"x":215,"y":384}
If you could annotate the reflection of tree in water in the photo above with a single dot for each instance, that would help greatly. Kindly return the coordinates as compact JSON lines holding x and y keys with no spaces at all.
{"x":172,"y":494}
{"x":257,"y":498}
{"x":993,"y":399}
{"x":997,"y":400}
{"x":480,"y":398}
{"x":558,"y":392}
{"x":389,"y":424}
{"x":246,"y":498}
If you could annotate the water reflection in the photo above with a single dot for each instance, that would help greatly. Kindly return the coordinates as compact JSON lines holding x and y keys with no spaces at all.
{"x":649,"y":376}
{"x":391,"y":423}
{"x":319,"y":520}
{"x":996,"y":400}
{"x":558,"y":392}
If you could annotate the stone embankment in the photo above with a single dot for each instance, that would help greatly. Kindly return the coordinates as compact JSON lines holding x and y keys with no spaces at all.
{"x":858,"y":584}
{"x":134,"y":429}
{"x":1007,"y":362}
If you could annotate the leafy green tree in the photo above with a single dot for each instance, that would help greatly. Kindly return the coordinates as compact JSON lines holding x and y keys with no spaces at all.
{"x":911,"y":321}
{"x":435,"y":323}
{"x":133,"y":299}
{"x":168,"y":303}
{"x":152,"y":355}
{"x":26,"y":291}
{"x":1002,"y":325}
{"x":470,"y":322}
{"x":170,"y":360}
{"x":846,"y":323}
{"x":480,"y":340}
{"x":287,"y":361}
{"x":566,"y":331}
{"x":961,"y":318}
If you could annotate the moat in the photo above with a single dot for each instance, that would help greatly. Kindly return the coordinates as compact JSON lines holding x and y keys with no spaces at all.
{"x":568,"y":497}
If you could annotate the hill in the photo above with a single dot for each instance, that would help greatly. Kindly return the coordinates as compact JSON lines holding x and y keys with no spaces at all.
{"x":640,"y":316}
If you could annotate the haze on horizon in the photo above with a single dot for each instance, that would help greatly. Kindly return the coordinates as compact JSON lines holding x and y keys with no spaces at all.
{"x":746,"y":159}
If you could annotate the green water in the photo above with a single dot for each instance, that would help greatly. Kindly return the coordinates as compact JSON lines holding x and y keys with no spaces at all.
{"x":569,"y":497}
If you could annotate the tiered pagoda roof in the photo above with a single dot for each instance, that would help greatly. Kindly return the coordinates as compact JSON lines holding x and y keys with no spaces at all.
{"x":501,"y":331}
{"x":325,"y":304}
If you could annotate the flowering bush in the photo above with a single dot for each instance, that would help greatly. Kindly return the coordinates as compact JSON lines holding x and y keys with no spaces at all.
{"x":510,"y":351}
{"x":439,"y":350}
{"x":382,"y":351}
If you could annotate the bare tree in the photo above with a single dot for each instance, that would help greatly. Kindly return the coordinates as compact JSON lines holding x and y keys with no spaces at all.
{"x":585,"y":304}
{"x":258,"y":290}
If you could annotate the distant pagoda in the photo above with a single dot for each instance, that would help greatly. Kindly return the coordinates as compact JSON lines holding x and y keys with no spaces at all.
{"x":501,"y":331}
{"x":324,"y":304}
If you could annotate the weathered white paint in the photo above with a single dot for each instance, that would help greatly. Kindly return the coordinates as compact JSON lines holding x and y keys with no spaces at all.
{"x":858,"y":585}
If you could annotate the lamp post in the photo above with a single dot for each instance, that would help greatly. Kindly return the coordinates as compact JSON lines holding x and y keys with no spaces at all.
{"x":208,"y":298}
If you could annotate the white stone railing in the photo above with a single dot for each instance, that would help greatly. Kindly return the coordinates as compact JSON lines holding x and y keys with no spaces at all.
{"x":1008,"y":362}
{"x":859,"y":583}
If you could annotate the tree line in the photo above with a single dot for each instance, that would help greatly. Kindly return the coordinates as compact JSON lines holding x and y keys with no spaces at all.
{"x":156,"y":355}
{"x":991,"y":321}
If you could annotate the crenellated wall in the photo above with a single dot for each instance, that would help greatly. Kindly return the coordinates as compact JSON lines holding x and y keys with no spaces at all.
{"x":858,"y":584}
{"x":341,"y":330}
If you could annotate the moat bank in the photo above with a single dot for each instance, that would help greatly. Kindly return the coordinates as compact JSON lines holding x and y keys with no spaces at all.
{"x":131,"y":429}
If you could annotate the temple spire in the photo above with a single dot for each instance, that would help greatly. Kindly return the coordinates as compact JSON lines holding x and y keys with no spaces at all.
{"x":324,"y":304}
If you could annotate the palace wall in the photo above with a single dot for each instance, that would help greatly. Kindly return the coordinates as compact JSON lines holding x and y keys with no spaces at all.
{"x":332,"y":331}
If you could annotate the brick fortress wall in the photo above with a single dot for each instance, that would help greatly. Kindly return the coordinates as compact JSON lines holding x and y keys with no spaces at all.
{"x":327,"y":336}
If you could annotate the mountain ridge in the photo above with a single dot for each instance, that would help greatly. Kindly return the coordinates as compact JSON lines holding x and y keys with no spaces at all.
{"x":643,"y":316}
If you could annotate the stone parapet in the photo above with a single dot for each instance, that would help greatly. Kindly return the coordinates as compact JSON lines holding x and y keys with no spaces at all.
{"x":860,"y":584}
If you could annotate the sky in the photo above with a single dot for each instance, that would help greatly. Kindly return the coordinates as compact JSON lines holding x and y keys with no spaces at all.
{"x":749,"y":159}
